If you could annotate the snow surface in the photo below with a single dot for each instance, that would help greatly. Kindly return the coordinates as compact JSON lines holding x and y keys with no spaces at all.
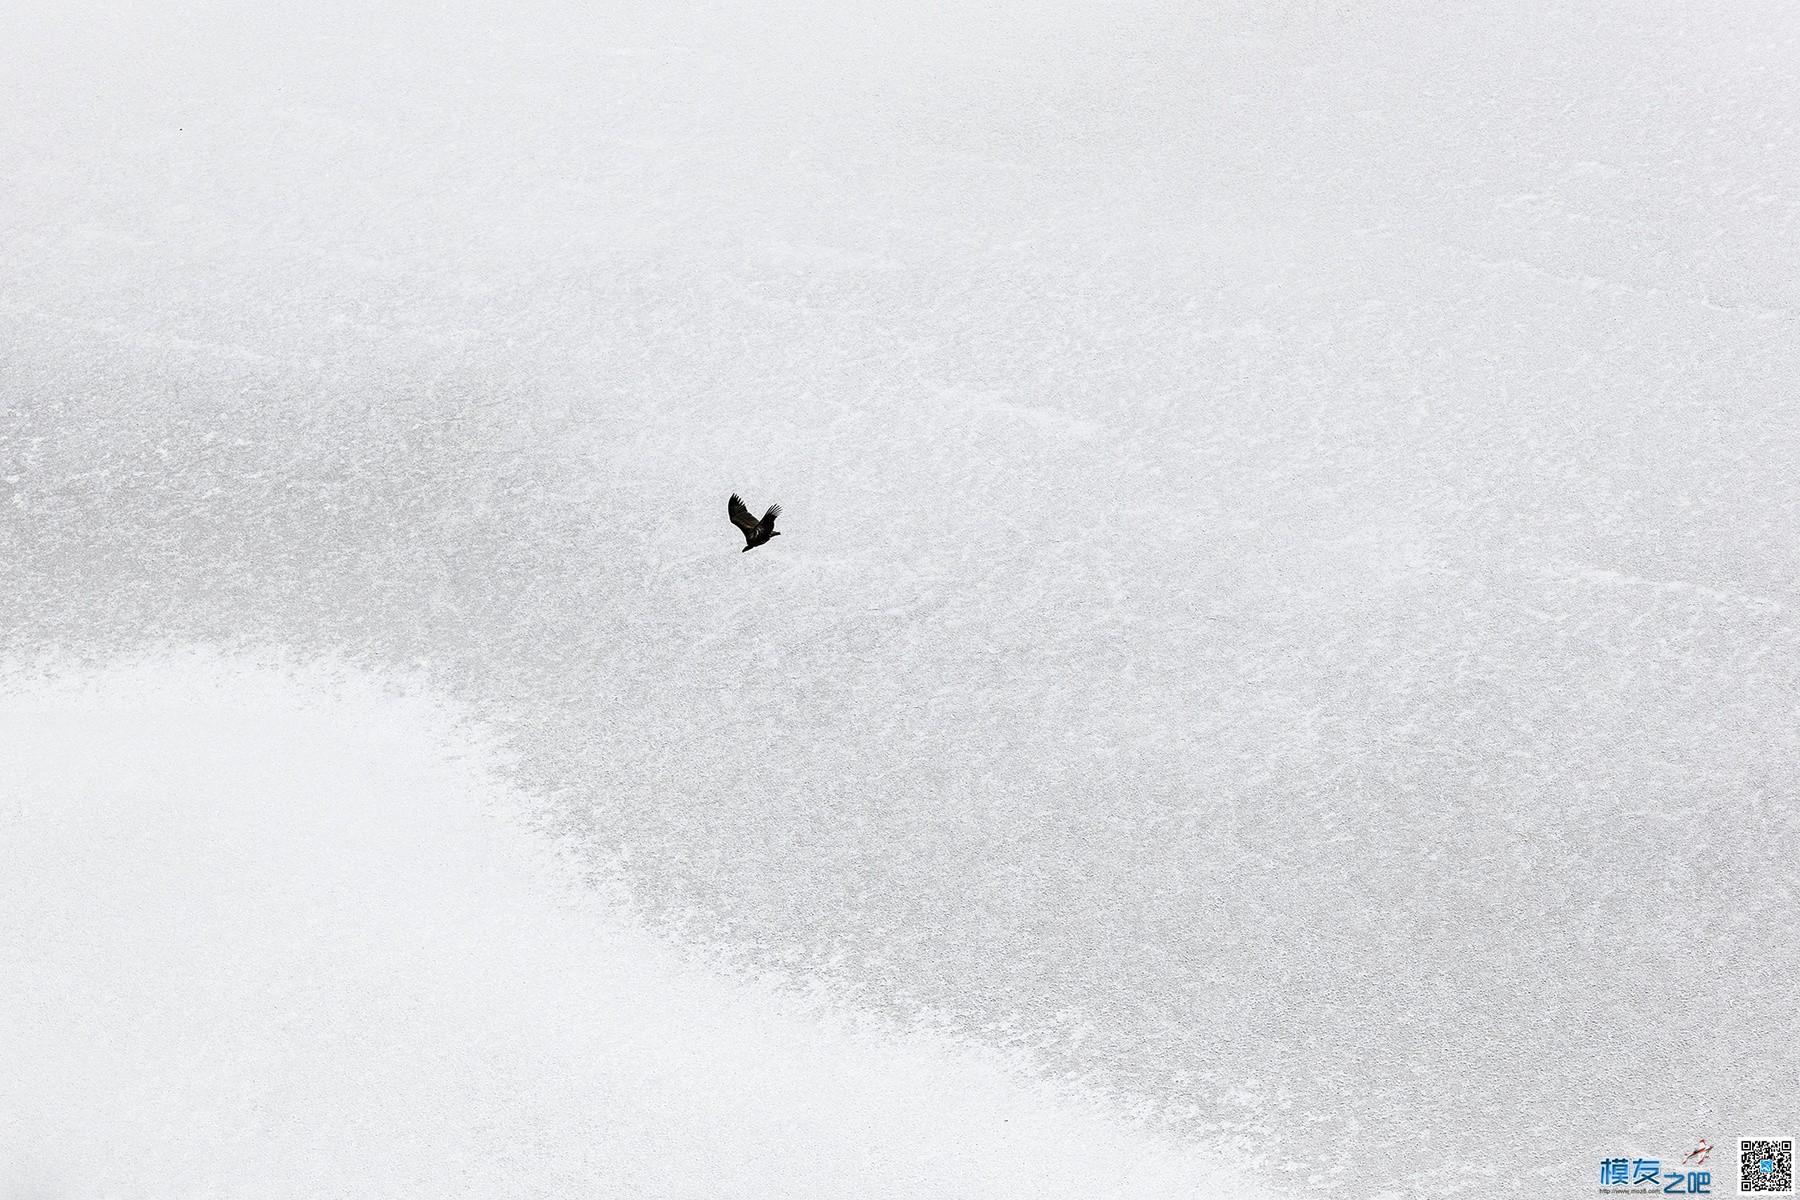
{"x":1286,"y":607}
{"x":282,"y":934}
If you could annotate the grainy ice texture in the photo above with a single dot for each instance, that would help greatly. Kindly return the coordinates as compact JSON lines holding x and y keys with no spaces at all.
{"x":1285,"y":609}
{"x":281,"y":935}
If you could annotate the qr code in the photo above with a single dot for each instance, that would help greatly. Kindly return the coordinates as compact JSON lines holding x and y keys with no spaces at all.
{"x":1766,"y":1166}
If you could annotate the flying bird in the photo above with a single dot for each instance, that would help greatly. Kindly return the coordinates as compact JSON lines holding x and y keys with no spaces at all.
{"x":755,"y":532}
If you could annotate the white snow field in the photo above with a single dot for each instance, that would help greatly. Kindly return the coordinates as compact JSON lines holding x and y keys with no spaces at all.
{"x":283,"y":936}
{"x":1285,"y":616}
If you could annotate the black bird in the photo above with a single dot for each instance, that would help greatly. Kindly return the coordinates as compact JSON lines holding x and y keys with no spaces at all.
{"x":755,"y":532}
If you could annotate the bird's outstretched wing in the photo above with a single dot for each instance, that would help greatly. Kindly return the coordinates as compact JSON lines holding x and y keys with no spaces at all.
{"x":768,"y":521}
{"x":740,"y":516}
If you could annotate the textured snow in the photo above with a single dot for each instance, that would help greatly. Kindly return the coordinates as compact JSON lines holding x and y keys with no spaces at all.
{"x":285,"y":936}
{"x":1285,"y":611}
